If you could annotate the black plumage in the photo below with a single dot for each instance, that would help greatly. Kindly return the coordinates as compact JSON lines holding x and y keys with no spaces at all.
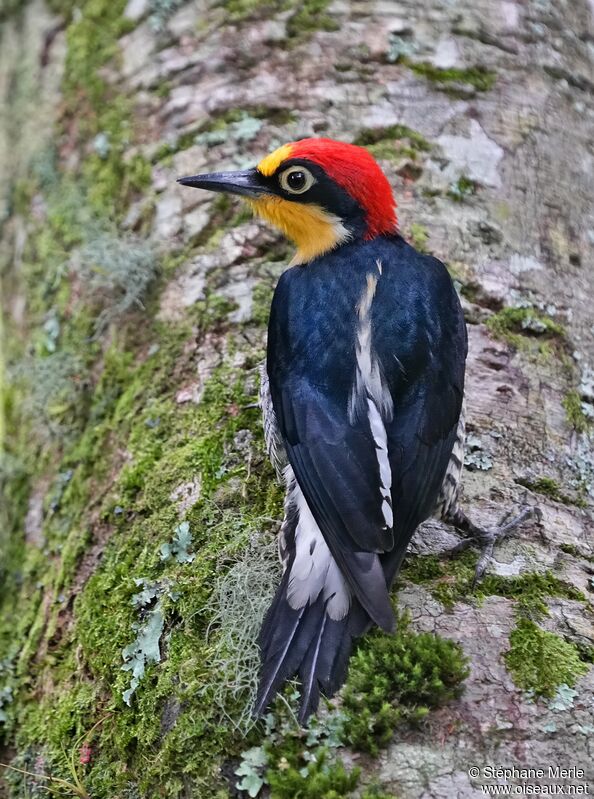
{"x":419,"y":343}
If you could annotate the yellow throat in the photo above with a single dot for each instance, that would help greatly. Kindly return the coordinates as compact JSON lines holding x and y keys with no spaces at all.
{"x":313,"y":229}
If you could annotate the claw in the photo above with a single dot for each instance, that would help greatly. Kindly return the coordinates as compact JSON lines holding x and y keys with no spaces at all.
{"x":482,"y":564}
{"x":461,"y":546}
{"x":488,"y":537}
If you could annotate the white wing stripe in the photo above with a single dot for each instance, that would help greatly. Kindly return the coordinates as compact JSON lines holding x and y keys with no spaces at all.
{"x":369,"y":386}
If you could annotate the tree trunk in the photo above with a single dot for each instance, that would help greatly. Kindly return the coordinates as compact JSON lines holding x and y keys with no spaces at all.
{"x":138,"y":510}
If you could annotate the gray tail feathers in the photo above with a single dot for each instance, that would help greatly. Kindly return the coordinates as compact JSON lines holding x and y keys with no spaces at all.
{"x":307,"y":643}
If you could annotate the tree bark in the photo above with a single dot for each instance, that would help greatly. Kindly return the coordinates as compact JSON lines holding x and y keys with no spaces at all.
{"x":133,"y":472}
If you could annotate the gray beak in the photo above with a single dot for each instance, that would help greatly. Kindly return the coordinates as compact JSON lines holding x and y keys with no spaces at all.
{"x":247,"y":183}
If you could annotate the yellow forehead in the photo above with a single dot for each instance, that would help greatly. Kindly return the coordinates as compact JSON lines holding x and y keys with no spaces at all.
{"x":271,"y":163}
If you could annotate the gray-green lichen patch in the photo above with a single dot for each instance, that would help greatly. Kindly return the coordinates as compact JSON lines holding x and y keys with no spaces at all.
{"x":240,"y":599}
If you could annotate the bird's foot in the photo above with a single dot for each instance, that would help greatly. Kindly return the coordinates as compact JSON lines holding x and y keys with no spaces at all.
{"x":487,"y":537}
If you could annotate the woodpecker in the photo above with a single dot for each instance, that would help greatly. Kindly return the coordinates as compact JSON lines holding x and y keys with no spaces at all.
{"x":363,"y":403}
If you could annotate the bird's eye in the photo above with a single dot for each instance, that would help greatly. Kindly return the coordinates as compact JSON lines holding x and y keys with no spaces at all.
{"x":296,"y":180}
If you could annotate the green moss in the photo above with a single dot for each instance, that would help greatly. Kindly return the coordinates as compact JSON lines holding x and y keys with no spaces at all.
{"x":530,"y":590}
{"x":520,"y":319}
{"x":243,"y":9}
{"x":376,"y":793}
{"x":393,"y":143}
{"x":516,"y":320}
{"x":421,"y":568}
{"x":570,"y":549}
{"x":116,"y":502}
{"x":574,"y":412}
{"x":546,"y":486}
{"x":91,"y":41}
{"x":311,"y":15}
{"x":419,"y":237}
{"x":367,"y":137}
{"x":307,"y":16}
{"x":479,"y":78}
{"x":464,"y":187}
{"x":107,"y":480}
{"x":113,"y":179}
{"x":519,"y":326}
{"x":397,"y":679}
{"x":166,"y":446}
{"x":452,"y":581}
{"x":540,"y":661}
{"x":522,"y":327}
{"x":103,"y":115}
{"x":21,"y":196}
{"x":549,"y":487}
{"x":318,"y":779}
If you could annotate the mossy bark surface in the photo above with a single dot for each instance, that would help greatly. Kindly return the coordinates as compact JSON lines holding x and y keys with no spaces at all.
{"x":137,"y":507}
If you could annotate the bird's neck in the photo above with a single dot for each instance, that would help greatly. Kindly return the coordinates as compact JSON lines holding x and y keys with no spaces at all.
{"x":313,"y":229}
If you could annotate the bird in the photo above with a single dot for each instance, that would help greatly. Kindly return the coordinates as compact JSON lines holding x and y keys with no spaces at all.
{"x":362,"y":394}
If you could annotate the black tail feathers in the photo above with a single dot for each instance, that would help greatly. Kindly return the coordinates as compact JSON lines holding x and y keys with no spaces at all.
{"x":309,"y":644}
